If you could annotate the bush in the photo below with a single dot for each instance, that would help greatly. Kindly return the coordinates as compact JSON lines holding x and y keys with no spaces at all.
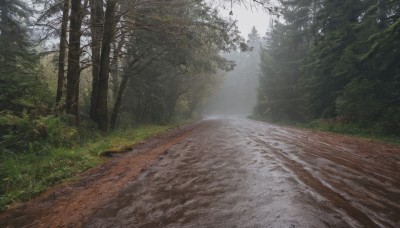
{"x":360,"y":101}
{"x":390,"y":121}
{"x":59,"y":133}
{"x":24,"y":175}
{"x":20,"y":133}
{"x":23,"y":133}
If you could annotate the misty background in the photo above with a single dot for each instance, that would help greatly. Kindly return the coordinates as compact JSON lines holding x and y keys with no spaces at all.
{"x":238,"y":92}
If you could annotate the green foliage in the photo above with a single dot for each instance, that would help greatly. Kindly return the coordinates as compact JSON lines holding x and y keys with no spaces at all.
{"x":25,"y":174}
{"x":375,"y":132}
{"x":333,"y":59}
{"x":178,"y":61}
{"x":281,"y":96}
{"x":19,"y":84}
{"x":26,"y":134}
{"x":59,"y":133}
{"x":19,"y":133}
{"x":360,"y":102}
{"x":390,"y":120}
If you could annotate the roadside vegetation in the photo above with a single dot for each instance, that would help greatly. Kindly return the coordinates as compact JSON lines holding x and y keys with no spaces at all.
{"x":65,"y":153}
{"x":374,"y":133}
{"x":333,"y":125}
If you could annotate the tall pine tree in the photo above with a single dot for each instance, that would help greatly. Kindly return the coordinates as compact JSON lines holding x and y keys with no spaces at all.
{"x":281,"y":94}
{"x":17,"y":58}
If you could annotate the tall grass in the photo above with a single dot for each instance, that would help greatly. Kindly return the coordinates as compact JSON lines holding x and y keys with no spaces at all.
{"x":23,"y":175}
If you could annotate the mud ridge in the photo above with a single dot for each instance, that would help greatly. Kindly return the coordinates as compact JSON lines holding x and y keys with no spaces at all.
{"x":67,"y":205}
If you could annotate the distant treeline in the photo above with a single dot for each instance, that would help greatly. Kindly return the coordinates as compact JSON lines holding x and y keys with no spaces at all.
{"x":338,"y":60}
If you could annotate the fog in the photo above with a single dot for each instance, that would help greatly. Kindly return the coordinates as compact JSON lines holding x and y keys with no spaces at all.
{"x":238,"y":92}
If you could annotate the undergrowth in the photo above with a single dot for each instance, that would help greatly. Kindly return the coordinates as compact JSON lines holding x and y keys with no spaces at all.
{"x":370,"y":132}
{"x":63,"y":153}
{"x":376,"y":132}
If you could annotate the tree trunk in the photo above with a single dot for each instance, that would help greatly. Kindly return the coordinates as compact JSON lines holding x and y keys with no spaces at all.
{"x":96,"y":20}
{"x":172,"y":109}
{"x":62,"y":54}
{"x":118,"y":101}
{"x":108,"y":36}
{"x":74,"y":52}
{"x":115,"y":77}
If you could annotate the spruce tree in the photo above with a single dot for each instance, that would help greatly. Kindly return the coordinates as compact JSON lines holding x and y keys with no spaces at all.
{"x":371,"y":98}
{"x":281,"y":94}
{"x":333,"y":56}
{"x":17,"y":58}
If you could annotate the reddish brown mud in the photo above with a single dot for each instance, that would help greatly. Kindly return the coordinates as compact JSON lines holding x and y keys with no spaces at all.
{"x":231,"y":172}
{"x":69,"y":204}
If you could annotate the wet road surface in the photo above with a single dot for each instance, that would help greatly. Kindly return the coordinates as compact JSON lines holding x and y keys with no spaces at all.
{"x":232,"y":172}
{"x":243,"y":173}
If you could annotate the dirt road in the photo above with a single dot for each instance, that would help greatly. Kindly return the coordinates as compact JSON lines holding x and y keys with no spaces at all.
{"x":231,"y":172}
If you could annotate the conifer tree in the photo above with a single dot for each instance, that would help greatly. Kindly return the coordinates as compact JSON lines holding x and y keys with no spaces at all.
{"x":281,"y":94}
{"x":17,"y":58}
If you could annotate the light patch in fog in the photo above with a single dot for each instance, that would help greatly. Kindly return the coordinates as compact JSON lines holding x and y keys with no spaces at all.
{"x":238,"y":93}
{"x":247,"y":16}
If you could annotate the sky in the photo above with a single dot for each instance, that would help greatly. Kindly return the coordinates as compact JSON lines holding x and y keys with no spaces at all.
{"x":247,"y":18}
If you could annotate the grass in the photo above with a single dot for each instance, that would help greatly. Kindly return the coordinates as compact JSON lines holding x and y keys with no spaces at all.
{"x":374,"y":133}
{"x":24,"y":175}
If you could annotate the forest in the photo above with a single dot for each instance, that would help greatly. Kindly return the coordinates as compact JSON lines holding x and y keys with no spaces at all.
{"x":333,"y":63}
{"x":83,"y":77}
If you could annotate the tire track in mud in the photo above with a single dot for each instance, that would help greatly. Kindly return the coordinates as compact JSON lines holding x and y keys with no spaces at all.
{"x":334,"y":197}
{"x":359,"y":183}
{"x":181,"y":188}
{"x":271,"y":151}
{"x":69,"y":204}
{"x":301,"y":159}
{"x":214,"y":178}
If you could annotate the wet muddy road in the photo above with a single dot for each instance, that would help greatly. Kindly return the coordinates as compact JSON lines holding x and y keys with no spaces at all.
{"x":240,"y":173}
